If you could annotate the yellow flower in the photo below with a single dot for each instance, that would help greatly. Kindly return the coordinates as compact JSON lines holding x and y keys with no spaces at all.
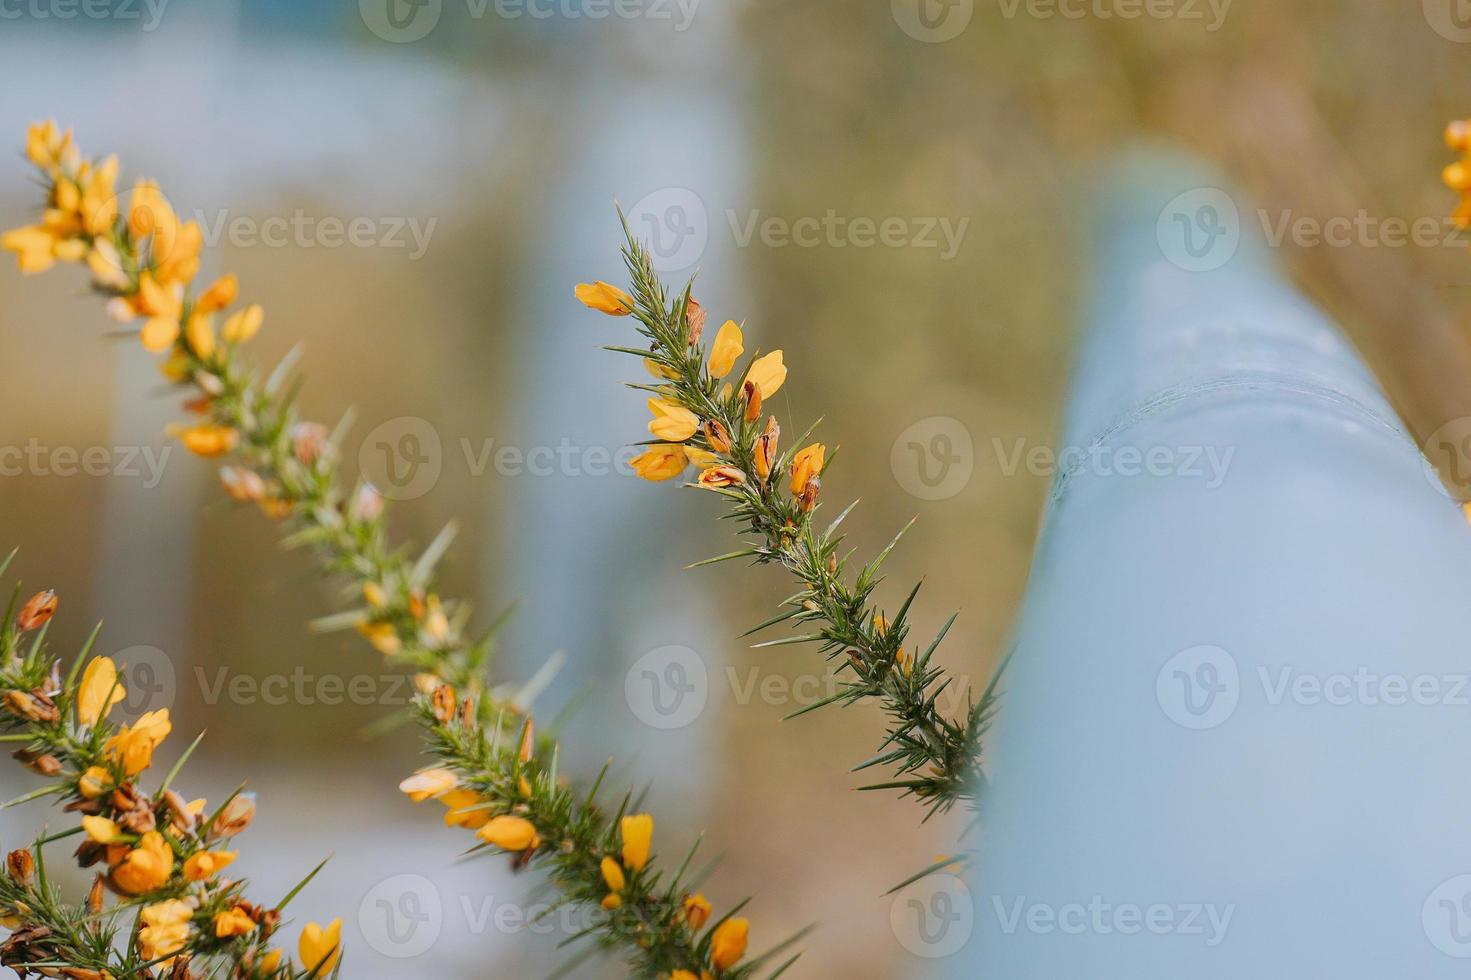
{"x":464,"y":809}
{"x":99,"y":691}
{"x":207,"y":864}
{"x":672,"y":422}
{"x":509,"y":833}
{"x":605,"y":298}
{"x":806,"y":465}
{"x":106,"y":265}
{"x":429,"y":784}
{"x":729,"y":345}
{"x":720,"y":477}
{"x":94,"y":782}
{"x":233,"y":922}
{"x":35,"y":248}
{"x":133,"y":745}
{"x":147,"y":867}
{"x":682,"y":975}
{"x":663,"y":462}
{"x":47,"y":146}
{"x":638,"y":831}
{"x":612,"y":901}
{"x":696,"y":911}
{"x":207,"y":439}
{"x":768,"y":373}
{"x":220,"y":294}
{"x":613,"y":875}
{"x":729,"y":943}
{"x":165,"y":928}
{"x":383,"y":636}
{"x":320,"y":949}
{"x":243,"y":324}
{"x":101,"y":829}
{"x":271,"y":962}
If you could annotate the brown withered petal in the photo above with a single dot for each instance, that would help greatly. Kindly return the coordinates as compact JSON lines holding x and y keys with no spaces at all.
{"x":695,"y":314}
{"x":91,"y":807}
{"x":181,"y":969}
{"x":235,"y":817}
{"x":528,"y":740}
{"x":179,"y":815}
{"x":765,"y":448}
{"x":808,"y":498}
{"x":310,"y":441}
{"x":718,"y":436}
{"x":44,"y":764}
{"x":37,"y":611}
{"x":751,"y":395}
{"x":21,"y":866}
{"x":95,"y":896}
{"x":467,"y":713}
{"x":139,"y":821}
{"x":444,"y":704}
{"x":89,"y":852}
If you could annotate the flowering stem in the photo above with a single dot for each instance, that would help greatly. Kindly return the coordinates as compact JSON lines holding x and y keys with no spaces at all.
{"x":934,"y":757}
{"x":493,"y":773}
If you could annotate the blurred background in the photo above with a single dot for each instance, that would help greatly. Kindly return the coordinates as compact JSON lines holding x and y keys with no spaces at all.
{"x":894,"y":193}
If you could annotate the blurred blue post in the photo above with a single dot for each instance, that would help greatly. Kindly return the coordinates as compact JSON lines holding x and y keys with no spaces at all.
{"x":1234,"y":734}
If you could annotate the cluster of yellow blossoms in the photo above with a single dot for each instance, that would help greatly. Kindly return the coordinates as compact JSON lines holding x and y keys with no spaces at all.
{"x":142,"y":838}
{"x":142,"y":256}
{"x":675,"y":424}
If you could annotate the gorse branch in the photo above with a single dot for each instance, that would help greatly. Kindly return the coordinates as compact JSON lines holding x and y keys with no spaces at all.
{"x":708,"y":414}
{"x":491,"y":772}
{"x":163,"y":854}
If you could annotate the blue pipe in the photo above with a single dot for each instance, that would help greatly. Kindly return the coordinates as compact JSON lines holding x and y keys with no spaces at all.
{"x":1235,"y":736}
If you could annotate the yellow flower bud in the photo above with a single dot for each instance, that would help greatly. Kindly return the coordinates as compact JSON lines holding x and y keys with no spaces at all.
{"x":657,"y":463}
{"x":638,"y":832}
{"x":729,"y":943}
{"x":613,"y":875}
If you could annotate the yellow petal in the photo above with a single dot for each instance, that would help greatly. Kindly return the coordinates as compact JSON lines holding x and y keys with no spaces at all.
{"x":243,"y":324}
{"x":99,"y":691}
{"x":604,"y":297}
{"x":672,"y":422}
{"x":159,"y":334}
{"x":768,"y":373}
{"x":729,"y":345}
{"x":659,"y":463}
{"x":613,"y":875}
